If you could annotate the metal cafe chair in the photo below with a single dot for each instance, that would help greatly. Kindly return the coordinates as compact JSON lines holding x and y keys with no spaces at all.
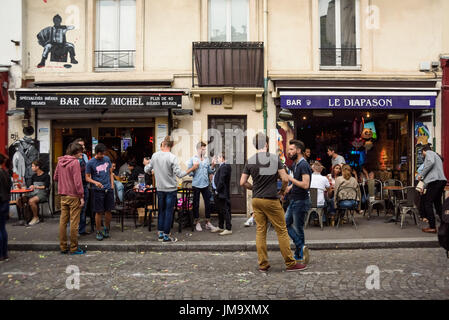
{"x":184,"y":210}
{"x":394,"y":196}
{"x":314,"y":208}
{"x":347,"y":211}
{"x":409,"y":205}
{"x":151,"y":205}
{"x":374,"y":197}
{"x":127,"y":207}
{"x":41,"y":205}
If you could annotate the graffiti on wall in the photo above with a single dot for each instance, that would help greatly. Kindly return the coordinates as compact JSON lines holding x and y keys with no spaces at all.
{"x":53,"y":40}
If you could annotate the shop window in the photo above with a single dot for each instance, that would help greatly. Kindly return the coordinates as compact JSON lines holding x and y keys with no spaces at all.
{"x":339,"y":34}
{"x":116,"y":34}
{"x":228,"y":20}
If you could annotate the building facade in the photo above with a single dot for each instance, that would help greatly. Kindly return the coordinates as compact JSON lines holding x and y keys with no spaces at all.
{"x":128,"y":72}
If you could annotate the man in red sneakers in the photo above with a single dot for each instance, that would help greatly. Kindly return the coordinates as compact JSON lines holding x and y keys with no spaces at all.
{"x":265,"y":169}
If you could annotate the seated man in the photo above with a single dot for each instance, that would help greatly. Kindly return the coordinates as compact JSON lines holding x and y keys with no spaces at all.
{"x":321,"y":183}
{"x":40,"y":184}
{"x":117,"y":183}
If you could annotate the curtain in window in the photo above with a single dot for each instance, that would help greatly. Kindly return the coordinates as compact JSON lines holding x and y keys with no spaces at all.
{"x":348,"y":33}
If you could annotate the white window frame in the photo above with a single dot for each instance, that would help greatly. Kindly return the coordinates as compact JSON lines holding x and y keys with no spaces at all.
{"x":228,"y":21}
{"x":338,"y":65}
{"x":117,"y":31}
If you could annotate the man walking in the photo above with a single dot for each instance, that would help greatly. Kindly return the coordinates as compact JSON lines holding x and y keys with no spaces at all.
{"x":221,"y":186}
{"x":433,"y":177}
{"x":70,"y":188}
{"x":299,"y":199}
{"x":265,"y":169}
{"x":166,"y":168}
{"x":200,"y":185}
{"x":99,"y":175}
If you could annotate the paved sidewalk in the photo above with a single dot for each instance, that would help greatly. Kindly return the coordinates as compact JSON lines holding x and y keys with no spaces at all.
{"x":369,"y":234}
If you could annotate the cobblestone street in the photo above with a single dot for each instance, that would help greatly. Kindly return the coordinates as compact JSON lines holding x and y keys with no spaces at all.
{"x":404,"y":274}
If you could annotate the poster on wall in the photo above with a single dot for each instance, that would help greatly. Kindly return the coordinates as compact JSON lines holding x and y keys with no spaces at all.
{"x":161,"y":134}
{"x":423,"y":136}
{"x":285,"y":133}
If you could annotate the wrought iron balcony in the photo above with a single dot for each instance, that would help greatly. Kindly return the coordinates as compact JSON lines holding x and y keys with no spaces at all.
{"x":114,"y":59}
{"x":228,"y":64}
{"x":340,"y":58}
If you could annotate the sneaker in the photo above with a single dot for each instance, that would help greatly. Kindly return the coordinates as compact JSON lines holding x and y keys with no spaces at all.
{"x":79,"y":251}
{"x":34,"y":222}
{"x":297,"y":267}
{"x":161,"y":236}
{"x":99,"y":236}
{"x":249,"y":222}
{"x":226,"y":232}
{"x":65,"y":251}
{"x":304,"y":255}
{"x":105,"y":233}
{"x":169,"y":239}
{"x":216,"y":230}
{"x":198,"y":227}
{"x":210,"y":226}
{"x":264,"y":270}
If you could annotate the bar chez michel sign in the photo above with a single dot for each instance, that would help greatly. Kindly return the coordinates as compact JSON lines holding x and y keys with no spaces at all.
{"x":43,"y":100}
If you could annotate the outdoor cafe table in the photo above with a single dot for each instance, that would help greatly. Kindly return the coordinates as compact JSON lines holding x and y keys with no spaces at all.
{"x":17,"y":194}
{"x":394,"y":198}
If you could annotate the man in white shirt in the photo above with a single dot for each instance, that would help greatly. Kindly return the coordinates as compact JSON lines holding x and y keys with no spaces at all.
{"x":321,"y":183}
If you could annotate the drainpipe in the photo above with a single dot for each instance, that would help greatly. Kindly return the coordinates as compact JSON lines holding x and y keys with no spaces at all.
{"x":265,"y":59}
{"x":445,"y":113}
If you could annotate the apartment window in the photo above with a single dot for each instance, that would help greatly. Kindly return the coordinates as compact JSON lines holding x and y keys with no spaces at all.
{"x":116,"y":34}
{"x":339,"y":33}
{"x":228,"y":20}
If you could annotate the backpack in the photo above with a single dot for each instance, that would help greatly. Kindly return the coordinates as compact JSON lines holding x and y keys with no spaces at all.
{"x":443,"y":231}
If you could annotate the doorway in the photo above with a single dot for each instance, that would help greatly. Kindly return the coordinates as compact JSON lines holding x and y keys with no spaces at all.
{"x":234,"y":146}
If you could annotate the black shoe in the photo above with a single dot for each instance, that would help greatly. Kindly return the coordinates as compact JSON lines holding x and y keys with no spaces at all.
{"x":41,"y":64}
{"x":65,"y":251}
{"x":73,"y":61}
{"x":85,"y":233}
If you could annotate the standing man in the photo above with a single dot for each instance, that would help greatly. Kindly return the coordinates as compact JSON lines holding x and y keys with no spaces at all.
{"x":83,"y":163}
{"x":336,"y":159}
{"x":299,"y":199}
{"x":70,"y":188}
{"x":166,"y":168}
{"x":265,"y":169}
{"x":99,"y":174}
{"x":200,"y":185}
{"x":308,"y":155}
{"x":433,"y":177}
{"x":221,"y":185}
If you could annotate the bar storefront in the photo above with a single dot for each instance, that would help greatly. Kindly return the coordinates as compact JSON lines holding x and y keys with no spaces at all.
{"x":379,"y":128}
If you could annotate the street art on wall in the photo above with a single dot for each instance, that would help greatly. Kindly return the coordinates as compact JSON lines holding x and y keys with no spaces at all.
{"x":53,"y":40}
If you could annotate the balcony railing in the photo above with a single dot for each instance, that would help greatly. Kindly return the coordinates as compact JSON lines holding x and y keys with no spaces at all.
{"x":228,"y":64}
{"x":114,"y":59}
{"x":344,"y":58}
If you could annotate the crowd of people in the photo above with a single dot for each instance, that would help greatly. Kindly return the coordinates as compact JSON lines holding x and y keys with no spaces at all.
{"x":280,"y":195}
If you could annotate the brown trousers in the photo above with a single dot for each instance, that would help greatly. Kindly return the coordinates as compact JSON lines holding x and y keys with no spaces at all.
{"x":70,"y":210}
{"x":271,"y":210}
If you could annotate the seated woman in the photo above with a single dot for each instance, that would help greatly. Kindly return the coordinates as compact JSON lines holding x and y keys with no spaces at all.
{"x":118,"y":185}
{"x":335,"y":173}
{"x":40,"y":184}
{"x":344,"y":197}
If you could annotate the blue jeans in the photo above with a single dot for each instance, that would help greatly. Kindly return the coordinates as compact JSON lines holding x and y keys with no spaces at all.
{"x":348,"y":204}
{"x":4,"y":211}
{"x":82,"y":226}
{"x":120,"y":190}
{"x":294,"y":218}
{"x":166,"y":202}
